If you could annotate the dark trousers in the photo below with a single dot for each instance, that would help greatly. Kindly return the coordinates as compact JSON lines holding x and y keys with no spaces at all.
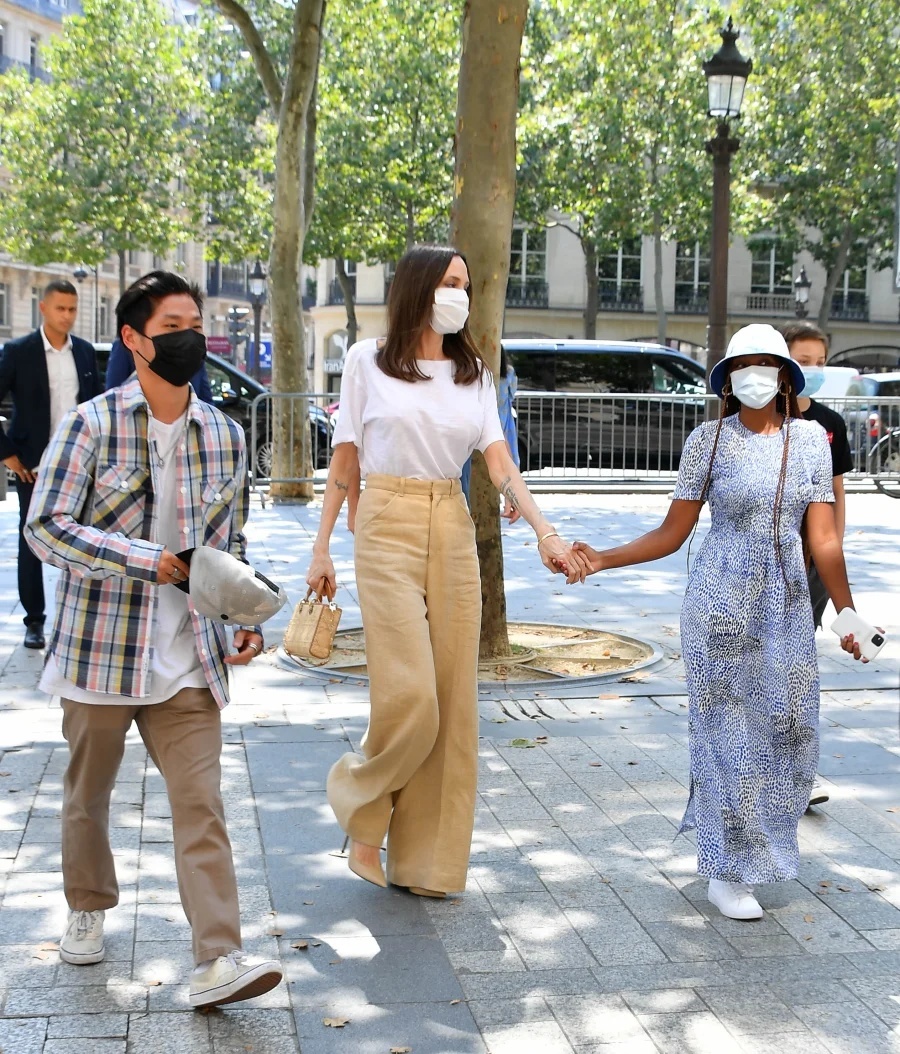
{"x":31,"y":577}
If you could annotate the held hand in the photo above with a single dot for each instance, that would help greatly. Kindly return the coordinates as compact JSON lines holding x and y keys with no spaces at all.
{"x":557,"y":557}
{"x":14,"y":464}
{"x":320,"y":576}
{"x":248,"y":644}
{"x":587,"y":557}
{"x":171,"y":570}
{"x":852,"y":648}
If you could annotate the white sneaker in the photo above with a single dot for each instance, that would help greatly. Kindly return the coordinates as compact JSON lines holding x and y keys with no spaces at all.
{"x":82,"y":943}
{"x":734,"y":899}
{"x":230,"y":978}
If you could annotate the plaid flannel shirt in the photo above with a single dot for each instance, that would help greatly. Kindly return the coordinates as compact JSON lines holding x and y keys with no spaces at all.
{"x":92,"y":515}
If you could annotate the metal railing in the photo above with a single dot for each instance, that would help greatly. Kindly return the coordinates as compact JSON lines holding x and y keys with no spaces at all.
{"x":567,"y":438}
{"x":527,"y":292}
{"x":771,"y":303}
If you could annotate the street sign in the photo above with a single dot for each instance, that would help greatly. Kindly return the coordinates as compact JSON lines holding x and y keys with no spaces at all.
{"x":219,"y":346}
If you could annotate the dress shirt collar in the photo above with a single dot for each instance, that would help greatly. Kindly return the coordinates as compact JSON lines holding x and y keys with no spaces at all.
{"x":57,"y":351}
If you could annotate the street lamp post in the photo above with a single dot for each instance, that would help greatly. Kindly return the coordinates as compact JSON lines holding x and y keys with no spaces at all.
{"x":802,"y":286}
{"x":256,"y":285}
{"x":79,"y":274}
{"x":726,"y":76}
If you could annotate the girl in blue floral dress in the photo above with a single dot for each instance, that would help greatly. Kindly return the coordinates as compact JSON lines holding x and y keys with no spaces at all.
{"x":746,"y":625}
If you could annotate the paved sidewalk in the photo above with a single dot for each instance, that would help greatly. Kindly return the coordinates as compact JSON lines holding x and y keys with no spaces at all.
{"x":583,"y":929}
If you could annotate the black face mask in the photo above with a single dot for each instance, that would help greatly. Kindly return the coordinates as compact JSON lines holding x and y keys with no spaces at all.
{"x":178,"y":355}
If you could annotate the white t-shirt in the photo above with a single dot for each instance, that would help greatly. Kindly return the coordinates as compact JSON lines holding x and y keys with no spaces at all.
{"x":174,"y":662}
{"x":423,"y":430}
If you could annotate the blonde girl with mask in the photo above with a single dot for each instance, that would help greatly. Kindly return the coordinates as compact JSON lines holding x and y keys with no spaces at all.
{"x":414,"y":405}
{"x":747,"y":629}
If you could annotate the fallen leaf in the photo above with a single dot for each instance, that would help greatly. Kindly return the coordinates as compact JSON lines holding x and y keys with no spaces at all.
{"x":276,"y":933}
{"x":317,"y":944}
{"x":153,"y":984}
{"x":401,"y":1050}
{"x":309,"y":903}
{"x":876,"y":889}
{"x":48,"y":946}
{"x":335,"y":1022}
{"x":526,"y":743}
{"x":892,"y":809}
{"x":844,"y":889}
{"x":608,"y":695}
{"x":595,"y":764}
{"x":632,"y":762}
{"x":453,"y":1002}
{"x":808,"y":937}
{"x":334,"y":962}
{"x":541,"y":739}
{"x":301,"y":946}
{"x":825,"y":884}
{"x":837,"y":755}
{"x":808,"y":918}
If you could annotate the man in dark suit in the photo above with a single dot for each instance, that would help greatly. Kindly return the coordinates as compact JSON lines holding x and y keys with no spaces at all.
{"x":48,"y":373}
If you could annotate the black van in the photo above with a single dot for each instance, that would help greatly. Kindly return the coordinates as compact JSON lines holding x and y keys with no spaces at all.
{"x":570,"y":429}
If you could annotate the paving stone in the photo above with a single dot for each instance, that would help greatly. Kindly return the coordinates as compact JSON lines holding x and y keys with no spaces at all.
{"x":596,"y":1019}
{"x":44,"y":1002}
{"x":23,"y":1035}
{"x":84,"y":1046}
{"x":541,"y":1037}
{"x":429,"y":1028}
{"x":169,"y":1034}
{"x":541,"y":983}
{"x":664,"y":1001}
{"x":692,"y":1033}
{"x":542,"y":934}
{"x":689,"y":940}
{"x":494,"y":1013}
{"x":783,"y":1043}
{"x":751,"y":1009}
{"x":880,"y":996}
{"x":368,"y":970}
{"x":841,"y":1025}
{"x":88,"y":1026}
{"x":766,"y":946}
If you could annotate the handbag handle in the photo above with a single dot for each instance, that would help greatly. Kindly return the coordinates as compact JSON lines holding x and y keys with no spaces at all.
{"x":320,"y":594}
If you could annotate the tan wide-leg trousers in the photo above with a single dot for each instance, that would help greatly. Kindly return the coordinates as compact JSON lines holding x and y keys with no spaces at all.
{"x":420,"y":595}
{"x":183,"y":736}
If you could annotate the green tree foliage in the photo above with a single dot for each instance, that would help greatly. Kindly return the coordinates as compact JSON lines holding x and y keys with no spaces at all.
{"x":824,"y":120}
{"x":613,"y":123}
{"x":231,"y":163}
{"x":384,"y":175}
{"x":95,"y":157}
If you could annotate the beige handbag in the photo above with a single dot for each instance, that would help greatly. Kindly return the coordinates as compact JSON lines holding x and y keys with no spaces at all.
{"x":310,"y":633}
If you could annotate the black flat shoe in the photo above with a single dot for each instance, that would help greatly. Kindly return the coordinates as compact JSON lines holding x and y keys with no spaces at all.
{"x":34,"y":636}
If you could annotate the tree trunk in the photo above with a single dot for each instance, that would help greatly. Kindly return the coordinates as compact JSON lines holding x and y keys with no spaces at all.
{"x":291,"y":451}
{"x":592,"y":304}
{"x":661,"y":317}
{"x":837,"y":268}
{"x":481,"y":227}
{"x":122,"y":272}
{"x":349,"y":299}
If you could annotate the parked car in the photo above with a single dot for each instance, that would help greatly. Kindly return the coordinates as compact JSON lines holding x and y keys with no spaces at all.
{"x":560,"y":424}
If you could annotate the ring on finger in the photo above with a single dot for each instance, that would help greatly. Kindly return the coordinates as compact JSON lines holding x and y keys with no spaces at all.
{"x":256,"y":648}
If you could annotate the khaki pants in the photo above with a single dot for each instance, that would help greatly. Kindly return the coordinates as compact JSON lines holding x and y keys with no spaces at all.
{"x":420,"y":595}
{"x":183,"y":736}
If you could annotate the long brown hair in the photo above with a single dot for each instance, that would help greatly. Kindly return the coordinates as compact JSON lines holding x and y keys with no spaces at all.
{"x":785,"y":404}
{"x":410,"y":301}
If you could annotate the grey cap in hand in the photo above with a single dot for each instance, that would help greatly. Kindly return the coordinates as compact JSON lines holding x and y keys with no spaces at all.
{"x":226,"y":589}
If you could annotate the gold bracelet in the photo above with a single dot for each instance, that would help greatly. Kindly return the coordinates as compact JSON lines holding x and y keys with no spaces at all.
{"x":544,"y":537}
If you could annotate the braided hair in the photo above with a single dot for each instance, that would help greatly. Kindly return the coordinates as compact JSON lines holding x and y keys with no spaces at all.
{"x":786,"y":405}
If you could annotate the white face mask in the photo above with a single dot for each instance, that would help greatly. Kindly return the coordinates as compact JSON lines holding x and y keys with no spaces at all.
{"x":450,"y":311}
{"x":755,"y":386}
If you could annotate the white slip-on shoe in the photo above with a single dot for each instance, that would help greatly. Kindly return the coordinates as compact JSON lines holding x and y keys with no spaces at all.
{"x":734,"y":899}
{"x":82,"y":943}
{"x":231,"y":978}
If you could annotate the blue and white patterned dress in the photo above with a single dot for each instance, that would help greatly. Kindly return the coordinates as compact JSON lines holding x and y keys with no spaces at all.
{"x":749,"y":650}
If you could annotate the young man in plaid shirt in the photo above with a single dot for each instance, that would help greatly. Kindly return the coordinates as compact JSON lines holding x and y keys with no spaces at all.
{"x":131,"y":478}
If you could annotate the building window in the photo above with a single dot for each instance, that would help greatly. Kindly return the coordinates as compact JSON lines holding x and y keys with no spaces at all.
{"x":619,"y":273}
{"x":4,"y":306}
{"x":34,"y":48}
{"x":134,"y":257}
{"x":771,"y":268}
{"x":691,"y":278}
{"x":36,"y":294}
{"x":850,"y":300}
{"x":527,"y":285}
{"x":105,"y":323}
{"x":159,"y":262}
{"x":2,"y":40}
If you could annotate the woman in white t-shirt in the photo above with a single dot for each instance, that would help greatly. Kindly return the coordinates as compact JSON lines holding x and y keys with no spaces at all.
{"x":413,"y":408}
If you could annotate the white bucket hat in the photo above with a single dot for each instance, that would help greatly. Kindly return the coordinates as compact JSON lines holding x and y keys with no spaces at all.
{"x":757,"y":339}
{"x":224,"y":588}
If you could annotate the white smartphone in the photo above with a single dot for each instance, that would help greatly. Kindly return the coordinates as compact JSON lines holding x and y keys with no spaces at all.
{"x":869,"y":639}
